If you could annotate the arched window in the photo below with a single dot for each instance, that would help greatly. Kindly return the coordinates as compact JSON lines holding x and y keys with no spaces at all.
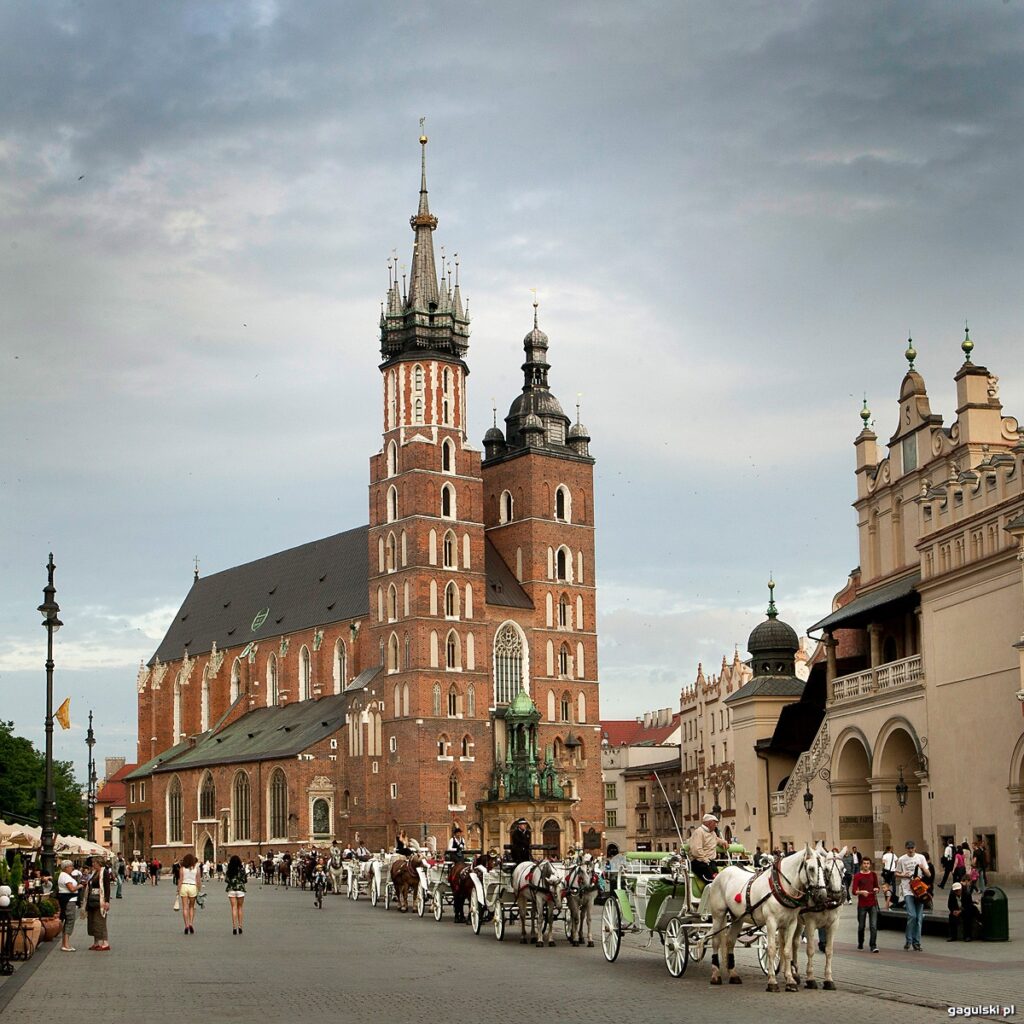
{"x":433,"y":649}
{"x":278,"y":816}
{"x":305,"y":674}
{"x":392,"y":554}
{"x":380,"y":554}
{"x":551,"y":705}
{"x":579,"y":611}
{"x":449,"y":551}
{"x":563,"y":611}
{"x":453,"y":702}
{"x":563,"y":565}
{"x":340,"y":666}
{"x":433,"y":597}
{"x":418,"y":411}
{"x":566,"y":707}
{"x":392,"y":400}
{"x":444,"y":747}
{"x":175,"y":815}
{"x":556,"y":748}
{"x":236,"y":679}
{"x":468,"y":747}
{"x":405,"y":599}
{"x":380,"y":604}
{"x":465,"y":550}
{"x":432,"y":547}
{"x":470,"y":653}
{"x":321,"y":819}
{"x":392,"y":458}
{"x":392,"y":503}
{"x":435,"y":706}
{"x":452,"y":651}
{"x":563,"y":504}
{"x":207,"y":797}
{"x":240,"y":813}
{"x":471,"y":701}
{"x":393,"y":653}
{"x":451,"y":601}
{"x":469,"y":601}
{"x":398,"y":701}
{"x":581,"y":709}
{"x":505,"y":507}
{"x":580,"y":674}
{"x":204,"y":702}
{"x":178,"y":732}
{"x":563,"y":660}
{"x":417,"y":378}
{"x":272,"y":693}
{"x":392,"y":603}
{"x":519,"y":564}
{"x":405,"y":700}
{"x":447,"y":456}
{"x":448,"y":502}
{"x":407,"y":663}
{"x":509,"y":663}
{"x":446,"y":398}
{"x":454,"y":798}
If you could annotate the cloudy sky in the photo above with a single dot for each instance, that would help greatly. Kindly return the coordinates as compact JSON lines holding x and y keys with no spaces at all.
{"x":733,"y":213}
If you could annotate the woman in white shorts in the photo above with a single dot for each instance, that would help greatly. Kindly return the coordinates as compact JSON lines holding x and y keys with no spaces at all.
{"x":235,"y":875}
{"x":189,"y":883}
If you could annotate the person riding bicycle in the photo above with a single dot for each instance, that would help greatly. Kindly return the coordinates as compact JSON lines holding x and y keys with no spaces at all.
{"x":319,"y":883}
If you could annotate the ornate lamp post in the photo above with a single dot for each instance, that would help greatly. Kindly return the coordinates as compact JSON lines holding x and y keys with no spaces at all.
{"x":808,"y":797}
{"x":902,"y":789}
{"x":49,"y":609}
{"x":90,"y":742}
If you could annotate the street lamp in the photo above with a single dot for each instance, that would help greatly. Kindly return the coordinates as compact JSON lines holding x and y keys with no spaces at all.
{"x":808,"y":797}
{"x":902,"y":789}
{"x":90,"y":742}
{"x":49,"y":609}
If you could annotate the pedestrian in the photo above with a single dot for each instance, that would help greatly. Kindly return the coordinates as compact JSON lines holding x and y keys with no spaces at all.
{"x":236,"y":893}
{"x":97,"y":904}
{"x":67,"y":900}
{"x":120,"y":875}
{"x":176,"y":873}
{"x":889,"y":871}
{"x":866,"y":887}
{"x":946,"y":863}
{"x":968,"y":912}
{"x":849,"y":867}
{"x":979,"y":863}
{"x":912,"y":871}
{"x":953,"y":905}
{"x":189,"y":885}
{"x":960,"y":863}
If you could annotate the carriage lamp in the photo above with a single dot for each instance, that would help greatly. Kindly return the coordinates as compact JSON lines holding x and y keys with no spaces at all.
{"x":902,"y":789}
{"x":808,"y":798}
{"x":716,"y":810}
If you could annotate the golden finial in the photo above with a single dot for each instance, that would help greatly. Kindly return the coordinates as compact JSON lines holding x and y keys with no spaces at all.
{"x":423,"y":136}
{"x":911,"y":352}
{"x":967,"y":345}
{"x":865,"y":413}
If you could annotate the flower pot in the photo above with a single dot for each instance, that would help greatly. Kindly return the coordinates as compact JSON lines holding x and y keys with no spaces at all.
{"x":26,"y":936}
{"x":51,"y":927}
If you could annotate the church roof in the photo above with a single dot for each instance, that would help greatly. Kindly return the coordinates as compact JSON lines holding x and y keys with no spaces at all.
{"x":503,"y":588}
{"x":768,"y":686}
{"x":309,"y":585}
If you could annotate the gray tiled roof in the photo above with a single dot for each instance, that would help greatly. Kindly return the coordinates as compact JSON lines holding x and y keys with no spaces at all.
{"x":316,"y":583}
{"x":854,"y":613}
{"x":145,"y":770}
{"x":503,"y":588}
{"x":768,"y":686}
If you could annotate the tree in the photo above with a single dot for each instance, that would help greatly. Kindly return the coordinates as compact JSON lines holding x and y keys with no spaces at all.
{"x":22,"y":777}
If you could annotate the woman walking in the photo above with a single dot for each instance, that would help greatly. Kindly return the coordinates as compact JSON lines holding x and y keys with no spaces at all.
{"x":189,"y":884}
{"x":97,"y":904}
{"x":236,"y":893}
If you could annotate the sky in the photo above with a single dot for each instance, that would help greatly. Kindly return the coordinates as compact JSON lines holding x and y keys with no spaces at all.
{"x":733,"y":214}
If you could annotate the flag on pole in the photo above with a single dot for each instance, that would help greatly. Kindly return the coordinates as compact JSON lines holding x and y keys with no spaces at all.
{"x":63,"y":714}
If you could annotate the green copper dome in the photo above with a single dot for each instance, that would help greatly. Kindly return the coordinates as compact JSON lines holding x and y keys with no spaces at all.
{"x":522,"y":706}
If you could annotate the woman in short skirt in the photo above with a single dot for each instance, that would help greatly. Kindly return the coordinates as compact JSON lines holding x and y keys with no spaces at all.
{"x":236,"y":893}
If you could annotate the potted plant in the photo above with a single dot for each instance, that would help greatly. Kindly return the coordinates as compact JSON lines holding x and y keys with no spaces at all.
{"x":27,"y":930}
{"x":49,"y":918}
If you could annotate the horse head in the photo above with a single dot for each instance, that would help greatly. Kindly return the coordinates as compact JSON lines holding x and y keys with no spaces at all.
{"x":832,"y":870}
{"x":810,"y":875}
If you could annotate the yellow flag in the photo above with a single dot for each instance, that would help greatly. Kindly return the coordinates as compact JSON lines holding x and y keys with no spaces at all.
{"x":63,"y":714}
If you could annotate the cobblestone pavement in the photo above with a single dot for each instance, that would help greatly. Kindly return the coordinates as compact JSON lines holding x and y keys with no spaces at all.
{"x":352,"y":962}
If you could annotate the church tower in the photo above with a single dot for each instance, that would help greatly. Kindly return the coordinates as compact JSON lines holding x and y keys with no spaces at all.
{"x":427,"y":577}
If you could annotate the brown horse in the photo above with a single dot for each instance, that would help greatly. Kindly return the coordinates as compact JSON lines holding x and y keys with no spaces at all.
{"x":460,"y":881}
{"x":405,"y":878}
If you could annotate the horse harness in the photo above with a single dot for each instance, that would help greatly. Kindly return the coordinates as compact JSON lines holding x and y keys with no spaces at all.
{"x":578,"y":872}
{"x":528,"y":884}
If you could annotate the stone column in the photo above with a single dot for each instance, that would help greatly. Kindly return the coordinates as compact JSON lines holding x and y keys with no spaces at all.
{"x":908,"y":635}
{"x":830,"y":664}
{"x":875,"y":636}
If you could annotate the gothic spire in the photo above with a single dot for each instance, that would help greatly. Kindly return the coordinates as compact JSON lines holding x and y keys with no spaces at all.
{"x":423,"y":280}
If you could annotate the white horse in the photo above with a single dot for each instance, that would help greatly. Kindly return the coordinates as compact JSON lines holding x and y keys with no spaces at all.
{"x":770,"y":899}
{"x":823,"y":916}
{"x":581,"y":885}
{"x":336,"y":869}
{"x":538,"y":888}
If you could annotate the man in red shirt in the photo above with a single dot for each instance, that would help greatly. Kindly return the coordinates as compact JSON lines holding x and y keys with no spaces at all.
{"x":865,"y":888}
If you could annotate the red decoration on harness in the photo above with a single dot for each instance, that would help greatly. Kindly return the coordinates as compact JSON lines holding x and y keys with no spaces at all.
{"x":738,"y":898}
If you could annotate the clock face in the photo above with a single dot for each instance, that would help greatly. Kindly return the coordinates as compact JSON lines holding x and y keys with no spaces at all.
{"x":261,"y":617}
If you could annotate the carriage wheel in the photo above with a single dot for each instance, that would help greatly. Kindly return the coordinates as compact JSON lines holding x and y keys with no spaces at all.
{"x":374,"y":892}
{"x":697,"y":943}
{"x":611,"y":930}
{"x":438,"y":906}
{"x":387,"y":895}
{"x":566,"y":920}
{"x":677,"y":948}
{"x":499,"y":922}
{"x":421,"y":901}
{"x":762,"y":956}
{"x":476,"y":916}
{"x":353,"y":889}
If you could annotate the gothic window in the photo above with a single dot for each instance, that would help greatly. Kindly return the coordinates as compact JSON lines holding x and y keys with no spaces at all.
{"x":465,"y":551}
{"x":469,"y":601}
{"x":581,"y":709}
{"x":236,"y":679}
{"x":449,"y":550}
{"x":453,"y":702}
{"x":392,"y":458}
{"x":418,"y":411}
{"x":563,"y":611}
{"x":436,"y":700}
{"x":433,"y":649}
{"x":272,"y":692}
{"x":398,"y":700}
{"x":446,"y":398}
{"x":178,"y":732}
{"x":417,"y":378}
{"x":579,"y":611}
{"x":448,"y":502}
{"x":407,"y":664}
{"x":519,"y":564}
{"x":393,"y":653}
{"x":204,"y":702}
{"x":563,"y":660}
{"x":433,"y":597}
{"x":380,"y":554}
{"x":305,"y":676}
{"x":392,"y":400}
{"x":340,"y":666}
{"x":207,"y":797}
{"x":565,"y":706}
{"x":392,"y":555}
{"x":405,"y":700}
{"x":241,"y":813}
{"x":392,"y":603}
{"x":278,"y":805}
{"x":443,"y":745}
{"x":432,"y":547}
{"x":471,"y":701}
{"x":468,"y":746}
{"x":580,"y":674}
{"x":453,"y":791}
{"x":405,"y":549}
{"x":321,"y":819}
{"x":562,"y":565}
{"x":392,"y":503}
{"x":452,"y":653}
{"x":405,"y":599}
{"x":551,"y":705}
{"x":505,"y":507}
{"x":451,"y":601}
{"x":175,"y":811}
{"x":508,"y":663}
{"x":563,"y":504}
{"x":447,"y":456}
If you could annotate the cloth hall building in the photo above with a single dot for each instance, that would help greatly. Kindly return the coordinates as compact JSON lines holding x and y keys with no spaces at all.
{"x":435,"y":667}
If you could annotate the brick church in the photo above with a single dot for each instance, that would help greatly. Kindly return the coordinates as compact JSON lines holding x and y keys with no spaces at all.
{"x":436,"y":667}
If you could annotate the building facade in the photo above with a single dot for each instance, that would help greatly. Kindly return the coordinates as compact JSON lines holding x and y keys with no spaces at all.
{"x":924,"y":649}
{"x":436,"y":667}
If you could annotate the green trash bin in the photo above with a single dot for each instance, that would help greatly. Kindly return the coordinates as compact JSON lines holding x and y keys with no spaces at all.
{"x":995,"y":916}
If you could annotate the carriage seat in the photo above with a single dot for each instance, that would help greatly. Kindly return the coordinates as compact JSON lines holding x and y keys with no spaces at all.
{"x":659,"y":890}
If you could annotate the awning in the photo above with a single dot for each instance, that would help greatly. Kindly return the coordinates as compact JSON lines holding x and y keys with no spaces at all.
{"x":856,"y":613}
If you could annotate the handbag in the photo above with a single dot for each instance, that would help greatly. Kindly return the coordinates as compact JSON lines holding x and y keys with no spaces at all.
{"x":177,"y":903}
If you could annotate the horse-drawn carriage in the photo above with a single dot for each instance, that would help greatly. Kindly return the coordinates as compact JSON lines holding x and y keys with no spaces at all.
{"x":656,"y":893}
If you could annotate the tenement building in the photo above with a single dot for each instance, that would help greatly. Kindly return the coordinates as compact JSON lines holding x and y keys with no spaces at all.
{"x":435,"y":667}
{"x":922,"y":735}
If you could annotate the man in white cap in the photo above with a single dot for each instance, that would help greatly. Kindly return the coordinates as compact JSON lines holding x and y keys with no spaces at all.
{"x":704,"y":844}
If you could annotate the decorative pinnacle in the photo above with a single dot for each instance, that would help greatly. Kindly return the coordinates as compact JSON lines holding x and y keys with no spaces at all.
{"x":967,"y":345}
{"x":494,"y":413}
{"x":535,"y":305}
{"x":773,"y":612}
{"x":579,"y":397}
{"x":911,"y":352}
{"x":865,"y":413}
{"x":195,"y":567}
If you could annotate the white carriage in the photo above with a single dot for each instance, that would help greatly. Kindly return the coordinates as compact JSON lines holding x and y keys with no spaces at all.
{"x":655,"y":893}
{"x":494,"y":899}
